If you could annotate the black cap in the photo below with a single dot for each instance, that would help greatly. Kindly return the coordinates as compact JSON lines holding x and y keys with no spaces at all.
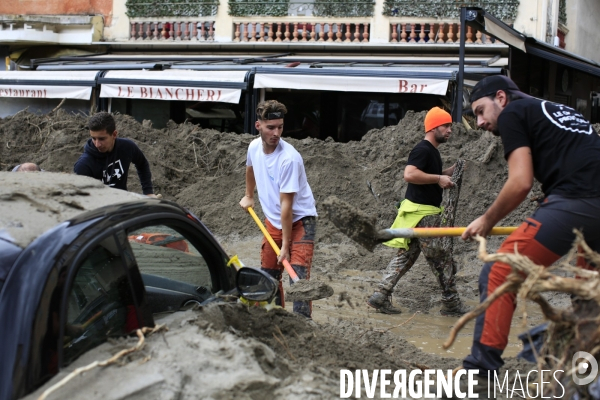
{"x":491,"y":84}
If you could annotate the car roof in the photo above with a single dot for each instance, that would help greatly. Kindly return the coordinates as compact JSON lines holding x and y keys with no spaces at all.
{"x":33,"y":202}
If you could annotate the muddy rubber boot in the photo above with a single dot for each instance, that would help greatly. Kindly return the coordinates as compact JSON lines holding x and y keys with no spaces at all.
{"x":383,"y":303}
{"x":454,"y":308}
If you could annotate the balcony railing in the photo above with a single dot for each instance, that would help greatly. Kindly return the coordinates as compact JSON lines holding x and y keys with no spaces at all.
{"x":304,"y":29}
{"x":435,"y":32}
{"x":173,"y":30}
{"x":314,"y":31}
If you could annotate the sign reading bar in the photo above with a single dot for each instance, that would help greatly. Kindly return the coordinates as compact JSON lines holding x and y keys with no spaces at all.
{"x":170,"y":93}
{"x":46,"y":92}
{"x":352,"y":83}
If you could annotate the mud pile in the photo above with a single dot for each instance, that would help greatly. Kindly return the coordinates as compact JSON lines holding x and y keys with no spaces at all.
{"x":229,"y":351}
{"x":204,"y":169}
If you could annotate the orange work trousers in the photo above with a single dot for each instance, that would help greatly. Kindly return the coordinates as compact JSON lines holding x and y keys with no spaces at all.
{"x":301,"y":255}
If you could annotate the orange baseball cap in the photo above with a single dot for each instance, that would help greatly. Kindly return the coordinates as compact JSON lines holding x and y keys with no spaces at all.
{"x":436,"y":117}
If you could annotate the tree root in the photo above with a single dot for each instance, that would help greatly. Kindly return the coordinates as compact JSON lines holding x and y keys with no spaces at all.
{"x":140,"y":334}
{"x":571,"y":330}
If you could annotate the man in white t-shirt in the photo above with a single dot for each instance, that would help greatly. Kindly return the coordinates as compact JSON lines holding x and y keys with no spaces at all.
{"x":276,"y":170}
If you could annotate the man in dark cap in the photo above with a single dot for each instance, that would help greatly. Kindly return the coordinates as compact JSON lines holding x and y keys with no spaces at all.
{"x":558,"y":146}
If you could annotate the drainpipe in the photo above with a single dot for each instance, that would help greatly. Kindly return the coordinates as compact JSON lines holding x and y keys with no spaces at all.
{"x":457,"y":117}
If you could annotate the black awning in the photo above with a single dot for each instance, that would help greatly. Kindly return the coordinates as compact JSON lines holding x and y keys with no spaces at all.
{"x":540,"y":50}
{"x":483,"y":21}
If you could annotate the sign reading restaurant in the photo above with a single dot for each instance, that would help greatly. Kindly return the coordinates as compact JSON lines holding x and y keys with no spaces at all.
{"x":170,"y":93}
{"x":46,"y":92}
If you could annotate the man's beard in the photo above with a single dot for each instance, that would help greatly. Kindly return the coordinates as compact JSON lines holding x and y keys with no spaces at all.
{"x":441,"y":138}
{"x":495,"y":132}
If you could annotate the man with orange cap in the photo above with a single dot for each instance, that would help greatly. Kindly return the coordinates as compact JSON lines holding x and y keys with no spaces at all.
{"x":421,"y":207}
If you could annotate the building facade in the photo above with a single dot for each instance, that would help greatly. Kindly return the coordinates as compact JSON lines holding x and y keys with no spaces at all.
{"x":348,"y":22}
{"x":344,"y":22}
{"x":363,"y":63}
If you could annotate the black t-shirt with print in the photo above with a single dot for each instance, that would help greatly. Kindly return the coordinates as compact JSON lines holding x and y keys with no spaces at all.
{"x":426,"y":158}
{"x":564,"y":146}
{"x":112,"y":168}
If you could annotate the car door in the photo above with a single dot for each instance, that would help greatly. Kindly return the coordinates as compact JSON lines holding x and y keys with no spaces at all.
{"x":99,"y":302}
{"x":180,"y":266}
{"x":96,"y":290}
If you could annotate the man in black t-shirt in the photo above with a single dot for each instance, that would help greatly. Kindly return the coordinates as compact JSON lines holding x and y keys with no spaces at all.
{"x":426,"y":181}
{"x":107,"y":157}
{"x":557,"y":146}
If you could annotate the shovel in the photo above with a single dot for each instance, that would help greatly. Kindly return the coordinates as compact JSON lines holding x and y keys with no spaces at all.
{"x":360,"y":227}
{"x":301,"y":290}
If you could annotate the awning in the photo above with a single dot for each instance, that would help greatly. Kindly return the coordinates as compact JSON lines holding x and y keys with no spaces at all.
{"x":48,"y":85}
{"x":491,"y":25}
{"x":355,"y":81}
{"x":562,"y":57}
{"x":184,"y":85}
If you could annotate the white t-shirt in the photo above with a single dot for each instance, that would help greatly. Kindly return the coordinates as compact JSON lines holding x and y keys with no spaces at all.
{"x":280,"y":172}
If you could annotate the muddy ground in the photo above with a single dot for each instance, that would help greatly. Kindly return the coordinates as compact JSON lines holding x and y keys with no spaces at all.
{"x":204,"y":170}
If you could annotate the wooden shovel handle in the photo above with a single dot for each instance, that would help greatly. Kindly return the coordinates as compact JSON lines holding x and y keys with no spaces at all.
{"x":285,"y":263}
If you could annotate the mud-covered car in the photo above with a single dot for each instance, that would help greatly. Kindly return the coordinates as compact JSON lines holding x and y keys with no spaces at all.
{"x":81,"y":262}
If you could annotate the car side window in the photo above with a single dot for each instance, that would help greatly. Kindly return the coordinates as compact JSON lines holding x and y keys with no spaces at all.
{"x":99,"y":303}
{"x":174,"y":271}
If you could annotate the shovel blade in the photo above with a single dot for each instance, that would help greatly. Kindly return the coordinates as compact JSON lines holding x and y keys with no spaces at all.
{"x":354,"y":223}
{"x":303,"y":290}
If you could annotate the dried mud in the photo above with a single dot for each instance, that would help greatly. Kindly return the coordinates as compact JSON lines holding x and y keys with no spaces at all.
{"x":203,"y":170}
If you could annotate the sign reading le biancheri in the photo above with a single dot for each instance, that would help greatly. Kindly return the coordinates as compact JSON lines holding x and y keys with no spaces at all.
{"x":170,"y":93}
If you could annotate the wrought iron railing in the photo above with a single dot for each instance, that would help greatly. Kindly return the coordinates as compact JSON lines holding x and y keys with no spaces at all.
{"x":342,"y":8}
{"x":319,"y":8}
{"x":506,"y":10}
{"x":172,"y":8}
{"x":562,"y":11}
{"x":246,"y":8}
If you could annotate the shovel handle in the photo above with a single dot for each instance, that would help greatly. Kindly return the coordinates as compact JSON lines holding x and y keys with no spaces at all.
{"x":437,"y":232}
{"x":293,"y":275}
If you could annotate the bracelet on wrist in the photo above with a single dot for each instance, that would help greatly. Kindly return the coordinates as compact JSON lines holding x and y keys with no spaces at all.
{"x":439,"y":177}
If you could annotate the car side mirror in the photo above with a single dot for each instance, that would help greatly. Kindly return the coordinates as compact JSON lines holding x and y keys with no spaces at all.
{"x":256,"y":285}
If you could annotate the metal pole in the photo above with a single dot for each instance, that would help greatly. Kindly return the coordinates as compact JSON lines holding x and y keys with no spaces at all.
{"x":461,"y":67}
